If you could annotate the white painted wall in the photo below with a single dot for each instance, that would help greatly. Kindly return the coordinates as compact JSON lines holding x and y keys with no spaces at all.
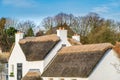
{"x":18,"y":36}
{"x":65,"y":78}
{"x":76,"y":37}
{"x":63,"y":37}
{"x":18,"y":56}
{"x":35,"y":65}
{"x":105,"y":69}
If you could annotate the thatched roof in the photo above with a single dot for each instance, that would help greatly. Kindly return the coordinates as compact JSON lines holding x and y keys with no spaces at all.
{"x":74,"y":42}
{"x":36,"y":48}
{"x":32,"y":75}
{"x":4,"y":57}
{"x":76,"y":61}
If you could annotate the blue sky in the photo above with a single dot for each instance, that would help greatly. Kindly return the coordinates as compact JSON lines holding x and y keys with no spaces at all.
{"x":36,"y":10}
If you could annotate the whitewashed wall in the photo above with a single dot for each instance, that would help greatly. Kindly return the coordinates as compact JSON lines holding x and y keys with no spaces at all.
{"x":17,"y":56}
{"x":105,"y":69}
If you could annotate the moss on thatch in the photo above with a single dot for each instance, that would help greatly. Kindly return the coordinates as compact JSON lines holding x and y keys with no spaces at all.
{"x":76,"y":61}
{"x":37,"y":48}
{"x":32,"y":76}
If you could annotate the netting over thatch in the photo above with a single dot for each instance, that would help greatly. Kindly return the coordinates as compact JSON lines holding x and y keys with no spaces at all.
{"x":37,"y":48}
{"x":74,"y":42}
{"x":32,"y":76}
{"x":76,"y":61}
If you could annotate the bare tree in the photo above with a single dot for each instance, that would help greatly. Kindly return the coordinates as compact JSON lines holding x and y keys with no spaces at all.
{"x":48,"y":23}
{"x":24,"y":26}
{"x":11,"y":23}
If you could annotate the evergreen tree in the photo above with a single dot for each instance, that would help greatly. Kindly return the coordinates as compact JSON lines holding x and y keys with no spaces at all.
{"x":30,"y":32}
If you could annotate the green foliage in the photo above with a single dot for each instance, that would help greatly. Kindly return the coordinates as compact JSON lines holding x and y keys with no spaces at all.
{"x":11,"y":31}
{"x":101,"y":35}
{"x":11,"y":74}
{"x":30,"y":32}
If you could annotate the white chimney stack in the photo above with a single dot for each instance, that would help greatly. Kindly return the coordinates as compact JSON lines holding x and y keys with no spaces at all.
{"x":76,"y":37}
{"x":18,"y":36}
{"x":62,"y":33}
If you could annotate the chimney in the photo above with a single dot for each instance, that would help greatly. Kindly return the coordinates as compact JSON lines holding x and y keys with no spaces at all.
{"x":62,"y":33}
{"x":76,"y":37}
{"x":18,"y":36}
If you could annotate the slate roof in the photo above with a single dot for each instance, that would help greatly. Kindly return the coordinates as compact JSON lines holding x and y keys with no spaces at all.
{"x":76,"y":61}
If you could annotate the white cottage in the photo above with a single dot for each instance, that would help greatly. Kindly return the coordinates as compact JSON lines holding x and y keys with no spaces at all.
{"x":55,"y":57}
{"x":35,"y":53}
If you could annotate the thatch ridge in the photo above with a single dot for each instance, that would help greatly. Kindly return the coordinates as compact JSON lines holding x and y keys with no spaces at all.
{"x":37,"y":48}
{"x":32,"y":75}
{"x":52,"y":37}
{"x":86,"y":48}
{"x":76,"y":64}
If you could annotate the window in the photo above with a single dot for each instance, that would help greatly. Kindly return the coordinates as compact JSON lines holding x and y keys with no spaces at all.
{"x":12,"y":68}
{"x":6,"y":65}
{"x":63,"y":45}
{"x":19,"y":71}
{"x":6,"y":77}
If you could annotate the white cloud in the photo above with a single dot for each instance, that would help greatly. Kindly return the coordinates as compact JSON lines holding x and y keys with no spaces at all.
{"x":105,"y":8}
{"x":101,"y":9}
{"x":20,"y":3}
